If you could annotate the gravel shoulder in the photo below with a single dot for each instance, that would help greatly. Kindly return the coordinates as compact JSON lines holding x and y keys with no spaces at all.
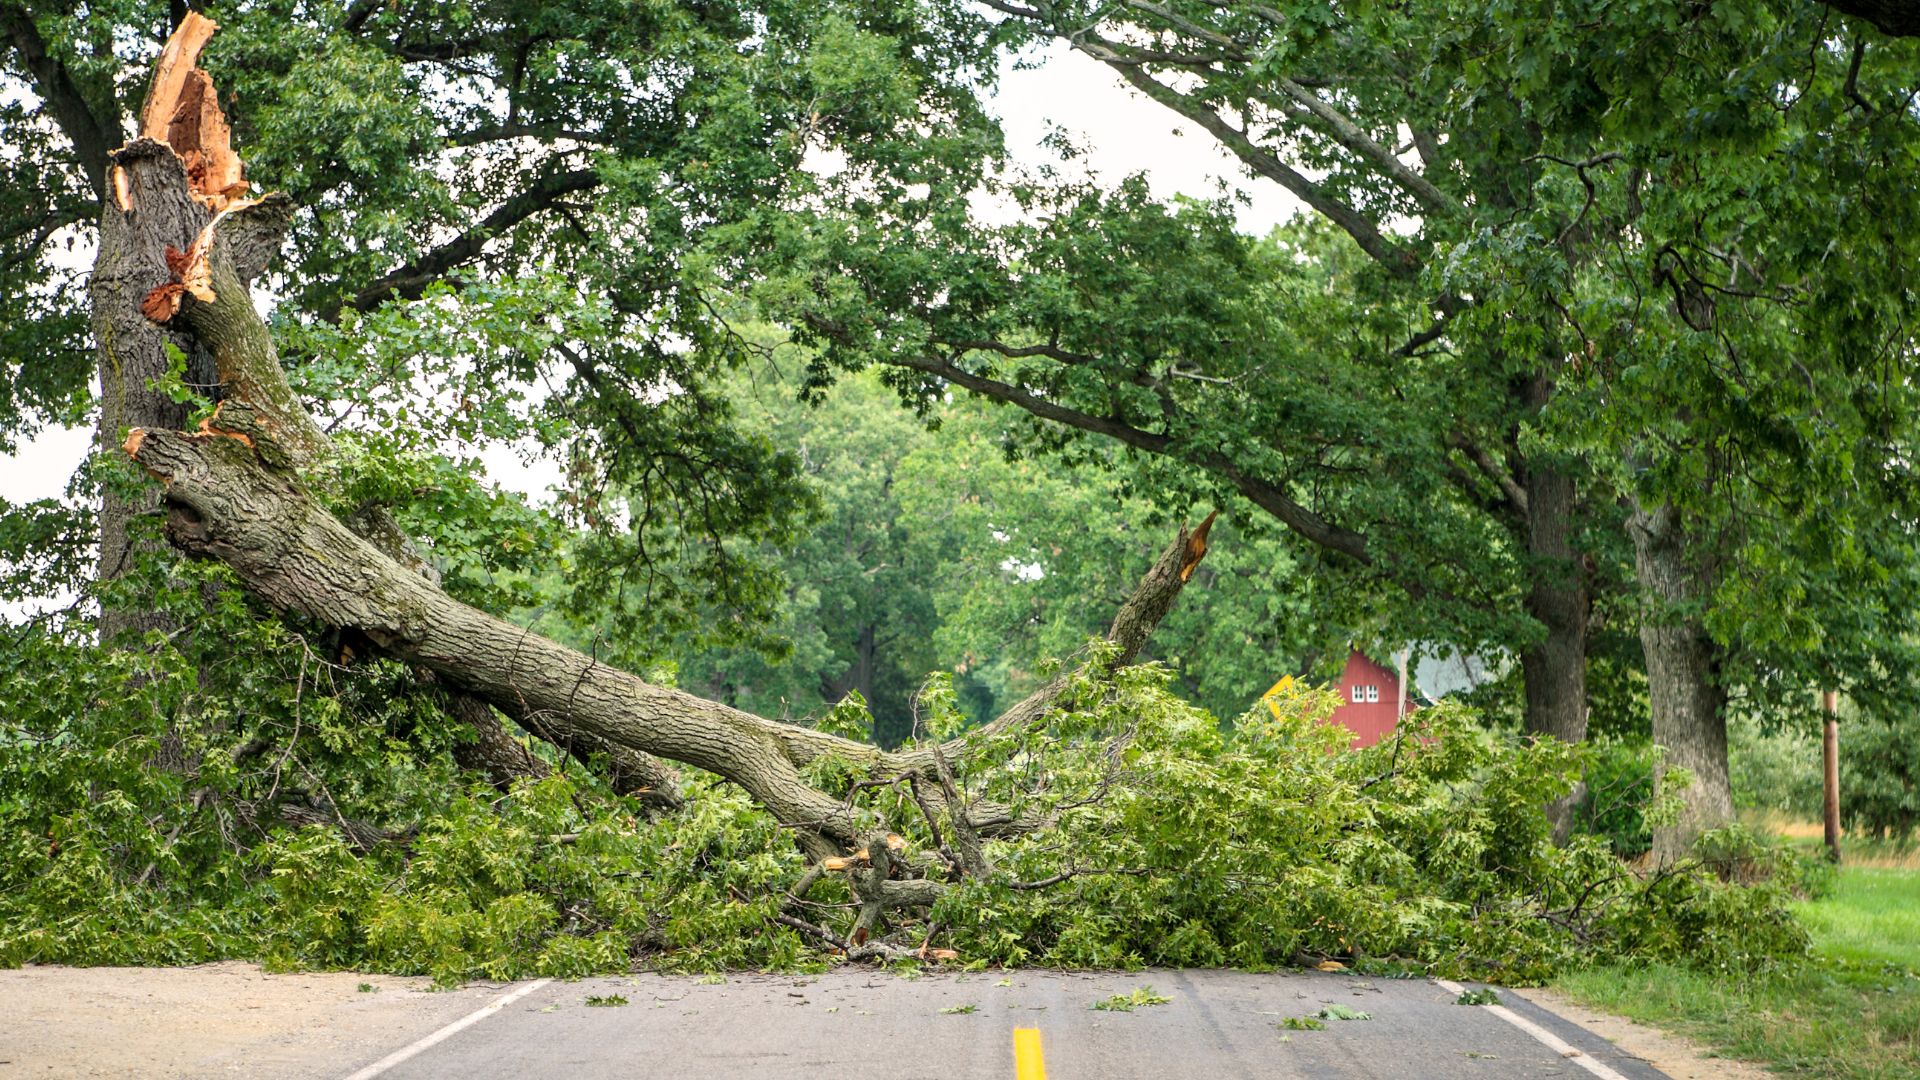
{"x":228,"y":1019}
{"x":1671,"y":1054}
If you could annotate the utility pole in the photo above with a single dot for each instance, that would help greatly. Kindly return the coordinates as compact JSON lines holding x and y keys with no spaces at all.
{"x":1830,"y":752}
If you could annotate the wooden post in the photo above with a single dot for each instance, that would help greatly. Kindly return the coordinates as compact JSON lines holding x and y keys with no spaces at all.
{"x":1830,"y":752}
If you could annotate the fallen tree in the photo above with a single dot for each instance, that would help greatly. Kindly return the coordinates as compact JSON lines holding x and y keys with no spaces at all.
{"x":178,"y":231}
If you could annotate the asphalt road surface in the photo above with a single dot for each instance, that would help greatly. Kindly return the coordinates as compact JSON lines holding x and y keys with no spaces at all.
{"x":862,"y":1025}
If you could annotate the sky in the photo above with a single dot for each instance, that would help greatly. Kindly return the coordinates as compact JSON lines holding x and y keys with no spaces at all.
{"x":1121,"y":132}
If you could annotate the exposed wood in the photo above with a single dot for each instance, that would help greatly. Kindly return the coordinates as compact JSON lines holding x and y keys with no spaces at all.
{"x":182,"y":110}
{"x":189,"y":258}
{"x":1196,"y":547}
{"x":177,"y":60}
{"x":233,"y":491}
{"x":150,"y":214}
{"x":224,"y":501}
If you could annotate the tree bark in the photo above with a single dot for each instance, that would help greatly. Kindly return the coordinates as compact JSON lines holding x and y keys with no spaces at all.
{"x":1895,"y":18}
{"x":226,"y":501}
{"x":1554,"y":669}
{"x":133,"y":361}
{"x":1688,"y":699}
{"x":180,"y":248}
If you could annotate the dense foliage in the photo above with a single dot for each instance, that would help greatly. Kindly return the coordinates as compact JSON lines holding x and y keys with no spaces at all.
{"x":1879,"y":778}
{"x":939,"y":547}
{"x":1175,"y":843}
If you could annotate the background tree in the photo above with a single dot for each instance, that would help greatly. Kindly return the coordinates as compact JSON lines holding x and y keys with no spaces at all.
{"x":938,"y":550}
{"x":1538,"y":215}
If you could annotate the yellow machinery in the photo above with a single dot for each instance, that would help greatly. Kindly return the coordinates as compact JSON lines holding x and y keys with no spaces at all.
{"x":1285,"y":684}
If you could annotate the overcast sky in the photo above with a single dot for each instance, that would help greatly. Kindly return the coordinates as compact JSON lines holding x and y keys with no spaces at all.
{"x":1121,"y":131}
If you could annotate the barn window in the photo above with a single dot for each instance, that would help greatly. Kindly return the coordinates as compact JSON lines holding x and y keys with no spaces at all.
{"x":1373,"y":693}
{"x":1359,"y":694}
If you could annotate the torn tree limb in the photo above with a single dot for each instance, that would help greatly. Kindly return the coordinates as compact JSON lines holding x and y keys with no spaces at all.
{"x":174,"y":254}
{"x":182,"y":110}
{"x":233,"y":491}
{"x":225,"y":502}
{"x":178,"y":236}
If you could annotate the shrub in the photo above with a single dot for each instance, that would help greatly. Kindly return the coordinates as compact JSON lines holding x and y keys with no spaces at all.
{"x":1619,"y":783}
{"x":1879,"y":776}
{"x":1777,"y":771}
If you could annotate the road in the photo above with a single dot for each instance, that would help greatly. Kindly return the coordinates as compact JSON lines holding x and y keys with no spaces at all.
{"x":863,"y":1025}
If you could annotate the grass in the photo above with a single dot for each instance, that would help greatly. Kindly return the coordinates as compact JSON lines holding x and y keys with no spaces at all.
{"x":1853,"y":1012}
{"x":1872,"y":920}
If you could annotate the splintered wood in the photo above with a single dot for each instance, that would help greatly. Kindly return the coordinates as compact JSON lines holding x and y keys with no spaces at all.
{"x":183,"y":111}
{"x":1196,"y":547}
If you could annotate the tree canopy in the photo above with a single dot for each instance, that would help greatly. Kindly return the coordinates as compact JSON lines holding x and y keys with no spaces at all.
{"x":1590,"y":348}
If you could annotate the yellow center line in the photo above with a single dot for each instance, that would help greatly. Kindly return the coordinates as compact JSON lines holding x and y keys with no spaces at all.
{"x":1028,"y":1062}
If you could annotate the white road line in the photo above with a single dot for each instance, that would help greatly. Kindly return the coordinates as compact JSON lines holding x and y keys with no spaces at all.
{"x":1542,"y":1035}
{"x":447,"y":1032}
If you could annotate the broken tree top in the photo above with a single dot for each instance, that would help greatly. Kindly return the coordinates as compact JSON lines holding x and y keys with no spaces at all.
{"x":183,"y":111}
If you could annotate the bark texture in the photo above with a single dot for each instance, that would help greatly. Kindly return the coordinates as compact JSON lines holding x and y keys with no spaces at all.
{"x":133,"y":350}
{"x":149,"y":226}
{"x":1683,"y":683}
{"x":181,"y":245}
{"x":1896,"y":18}
{"x":225,"y":501}
{"x":1554,"y":669}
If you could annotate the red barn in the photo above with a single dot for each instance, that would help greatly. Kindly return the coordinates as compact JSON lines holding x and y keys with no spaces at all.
{"x":1370,"y":700}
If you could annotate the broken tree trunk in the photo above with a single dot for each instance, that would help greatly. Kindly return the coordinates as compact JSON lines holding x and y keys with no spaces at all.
{"x":180,"y":245}
{"x":225,"y":500}
{"x":232,"y":491}
{"x":136,"y":353}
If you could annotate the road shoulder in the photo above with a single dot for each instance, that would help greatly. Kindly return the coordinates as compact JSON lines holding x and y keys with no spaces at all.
{"x":1671,"y":1054}
{"x":225,"y":1019}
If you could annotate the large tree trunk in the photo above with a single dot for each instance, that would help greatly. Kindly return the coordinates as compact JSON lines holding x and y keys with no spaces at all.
{"x":134,"y":360}
{"x":167,"y":281}
{"x":225,"y":500}
{"x":1554,"y":669}
{"x":1689,"y":701}
{"x":860,"y":673}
